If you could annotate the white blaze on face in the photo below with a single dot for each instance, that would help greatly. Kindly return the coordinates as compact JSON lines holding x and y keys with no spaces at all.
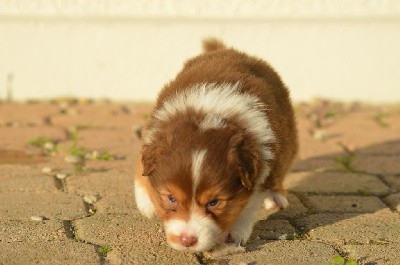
{"x":197,"y":162}
{"x":200,"y":226}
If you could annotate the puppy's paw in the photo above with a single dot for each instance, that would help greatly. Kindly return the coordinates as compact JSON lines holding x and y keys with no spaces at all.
{"x":233,"y":238}
{"x":275,"y":201}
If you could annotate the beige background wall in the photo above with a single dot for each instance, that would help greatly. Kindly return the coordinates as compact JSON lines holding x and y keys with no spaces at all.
{"x":128,"y":49}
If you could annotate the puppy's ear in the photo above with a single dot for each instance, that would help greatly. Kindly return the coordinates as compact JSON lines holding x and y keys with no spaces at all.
{"x":244,"y":156}
{"x":149,"y":159}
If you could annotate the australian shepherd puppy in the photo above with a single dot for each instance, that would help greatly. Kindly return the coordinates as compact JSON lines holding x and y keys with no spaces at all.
{"x":219,"y":143}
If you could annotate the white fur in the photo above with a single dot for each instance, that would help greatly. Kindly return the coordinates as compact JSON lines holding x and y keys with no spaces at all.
{"x":223,"y":101}
{"x":275,"y":200}
{"x":143,"y":202}
{"x":242,"y":228}
{"x":212,"y":121}
{"x":197,"y":162}
{"x":200,"y":226}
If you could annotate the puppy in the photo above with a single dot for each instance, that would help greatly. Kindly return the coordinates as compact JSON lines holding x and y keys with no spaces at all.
{"x":219,"y":143}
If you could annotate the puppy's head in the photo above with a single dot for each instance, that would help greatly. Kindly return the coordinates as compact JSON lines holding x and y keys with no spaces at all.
{"x":203,"y":179}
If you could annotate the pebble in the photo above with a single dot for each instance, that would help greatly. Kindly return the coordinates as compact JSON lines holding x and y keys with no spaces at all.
{"x":46,"y":170}
{"x":61,"y":176}
{"x":37,"y":218}
{"x":73,"y":159}
{"x":49,"y":146}
{"x":72,"y":112}
{"x":92,"y":155}
{"x":283,"y":237}
{"x":63,"y":107}
{"x":138,"y":132}
{"x":90,"y":199}
{"x":320,"y":135}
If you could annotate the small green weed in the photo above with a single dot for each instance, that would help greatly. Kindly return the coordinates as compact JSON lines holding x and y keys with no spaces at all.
{"x":104,"y":250}
{"x":79,"y":151}
{"x":346,"y":161}
{"x":40,"y":141}
{"x":105,"y":156}
{"x":379,"y":119}
{"x":338,"y":260}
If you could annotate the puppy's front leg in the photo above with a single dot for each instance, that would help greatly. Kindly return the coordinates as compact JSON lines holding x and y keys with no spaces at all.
{"x":242,"y":228}
{"x":143,"y":191}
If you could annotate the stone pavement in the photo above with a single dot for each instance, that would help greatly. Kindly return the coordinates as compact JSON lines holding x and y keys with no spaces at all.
{"x":66,"y":193}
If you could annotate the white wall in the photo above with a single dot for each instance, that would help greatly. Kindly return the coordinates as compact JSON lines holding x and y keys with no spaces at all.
{"x":128,"y":49}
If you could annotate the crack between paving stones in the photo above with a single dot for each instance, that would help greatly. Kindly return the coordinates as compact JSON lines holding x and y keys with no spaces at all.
{"x":336,"y":248}
{"x":69,"y":229}
{"x":59,"y":183}
{"x":200,"y":258}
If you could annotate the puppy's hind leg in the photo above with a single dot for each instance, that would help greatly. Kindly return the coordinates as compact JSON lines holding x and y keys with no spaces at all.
{"x":275,"y":200}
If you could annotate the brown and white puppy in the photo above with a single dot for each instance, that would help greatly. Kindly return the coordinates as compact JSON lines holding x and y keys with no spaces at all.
{"x":218,"y":145}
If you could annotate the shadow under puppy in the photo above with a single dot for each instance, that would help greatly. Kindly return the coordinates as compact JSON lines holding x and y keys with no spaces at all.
{"x":219,"y":143}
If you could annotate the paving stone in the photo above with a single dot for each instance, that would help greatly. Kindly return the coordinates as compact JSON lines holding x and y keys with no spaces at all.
{"x":116,"y":141}
{"x":343,"y":228}
{"x":27,"y":180}
{"x":127,"y":164}
{"x":26,"y":114}
{"x":387,"y":254}
{"x":273,"y":230}
{"x":346,"y":204}
{"x":335,"y":182}
{"x":17,"y":138}
{"x":48,"y":252}
{"x":28,"y":231}
{"x":281,"y":252}
{"x":18,"y":157}
{"x":98,"y":115}
{"x":52,"y":205}
{"x":386,"y":148}
{"x":116,"y":204}
{"x":140,"y":241}
{"x":359,"y":131}
{"x":393,"y":181}
{"x":101,"y":183}
{"x":311,"y":147}
{"x":393,"y":201}
{"x":316,"y":164}
{"x":382,"y":165}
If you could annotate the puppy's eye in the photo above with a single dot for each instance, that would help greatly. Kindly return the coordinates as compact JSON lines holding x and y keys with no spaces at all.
{"x":212,"y":204}
{"x":171,"y":199}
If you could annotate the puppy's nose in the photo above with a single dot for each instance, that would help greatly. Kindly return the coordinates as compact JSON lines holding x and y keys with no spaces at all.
{"x":188,"y":240}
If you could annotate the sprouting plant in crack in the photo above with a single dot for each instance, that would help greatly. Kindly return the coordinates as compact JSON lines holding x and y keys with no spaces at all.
{"x":47,"y":145}
{"x":41,"y":141}
{"x":339,"y":260}
{"x":346,"y":161}
{"x":104,"y":250}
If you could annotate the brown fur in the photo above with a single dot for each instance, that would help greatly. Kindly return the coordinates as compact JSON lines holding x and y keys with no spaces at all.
{"x":230,"y":151}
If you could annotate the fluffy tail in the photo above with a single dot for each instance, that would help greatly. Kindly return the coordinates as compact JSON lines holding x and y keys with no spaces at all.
{"x":212,"y":44}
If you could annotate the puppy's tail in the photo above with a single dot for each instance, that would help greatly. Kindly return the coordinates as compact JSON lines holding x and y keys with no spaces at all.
{"x":212,"y":44}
